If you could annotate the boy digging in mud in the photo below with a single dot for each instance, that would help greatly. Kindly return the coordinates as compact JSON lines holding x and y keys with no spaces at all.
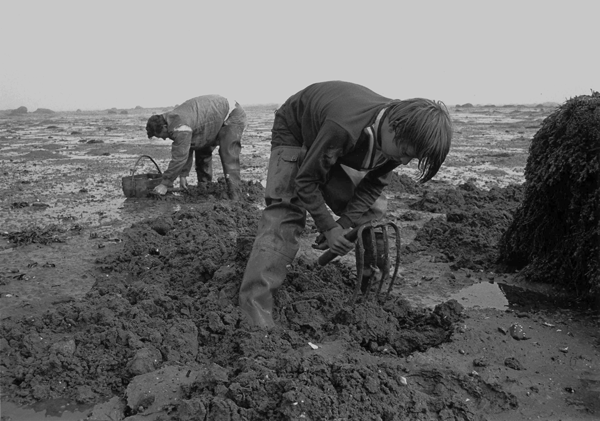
{"x":336,"y":144}
{"x":197,"y":127}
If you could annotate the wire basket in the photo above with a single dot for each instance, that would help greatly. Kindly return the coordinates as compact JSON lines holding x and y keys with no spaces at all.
{"x":139,"y":185}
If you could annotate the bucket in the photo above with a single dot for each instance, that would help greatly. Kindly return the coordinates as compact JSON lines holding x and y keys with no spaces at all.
{"x":139,"y":185}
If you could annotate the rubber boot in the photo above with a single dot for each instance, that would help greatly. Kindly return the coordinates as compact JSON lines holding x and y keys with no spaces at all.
{"x":368,"y":258}
{"x":276,"y":242}
{"x":233,"y":189}
{"x":265,"y":272}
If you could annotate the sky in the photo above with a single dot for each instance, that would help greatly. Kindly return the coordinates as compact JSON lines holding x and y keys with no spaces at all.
{"x":93,"y":55}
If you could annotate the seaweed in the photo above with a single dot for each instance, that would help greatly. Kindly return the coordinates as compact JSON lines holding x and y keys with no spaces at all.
{"x":555,"y":233}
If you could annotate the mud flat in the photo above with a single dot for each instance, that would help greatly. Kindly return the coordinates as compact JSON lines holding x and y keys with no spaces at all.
{"x":125,"y":309}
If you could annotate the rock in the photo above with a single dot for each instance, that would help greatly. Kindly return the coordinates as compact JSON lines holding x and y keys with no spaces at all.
{"x":517,"y":332}
{"x":513,"y":363}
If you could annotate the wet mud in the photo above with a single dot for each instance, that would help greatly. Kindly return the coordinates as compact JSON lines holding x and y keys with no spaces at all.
{"x":156,"y":334}
{"x":169,"y":298}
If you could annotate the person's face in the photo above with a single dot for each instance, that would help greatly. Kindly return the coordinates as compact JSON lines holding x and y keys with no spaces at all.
{"x":402,"y":152}
{"x":164,"y":133}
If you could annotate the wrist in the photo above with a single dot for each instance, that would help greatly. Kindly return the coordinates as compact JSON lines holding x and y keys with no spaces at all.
{"x":344,"y":222}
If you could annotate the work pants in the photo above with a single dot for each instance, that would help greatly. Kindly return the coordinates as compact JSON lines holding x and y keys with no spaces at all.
{"x":229,"y":142}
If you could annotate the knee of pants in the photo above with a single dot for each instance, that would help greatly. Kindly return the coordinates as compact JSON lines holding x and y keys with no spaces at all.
{"x":281,"y":175}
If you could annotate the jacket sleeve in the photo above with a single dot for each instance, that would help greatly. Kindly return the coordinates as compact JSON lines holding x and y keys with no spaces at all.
{"x":366,"y":193}
{"x":331,"y":143}
{"x":180,"y":153}
{"x":229,"y":150}
{"x":185,"y":172}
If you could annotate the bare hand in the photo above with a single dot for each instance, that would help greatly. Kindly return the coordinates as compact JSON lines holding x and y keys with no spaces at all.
{"x":337,"y":242}
{"x":183,"y":183}
{"x":160,"y":189}
{"x":320,"y":242}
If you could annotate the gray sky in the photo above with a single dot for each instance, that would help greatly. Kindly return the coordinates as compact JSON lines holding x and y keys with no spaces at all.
{"x":68,"y":55}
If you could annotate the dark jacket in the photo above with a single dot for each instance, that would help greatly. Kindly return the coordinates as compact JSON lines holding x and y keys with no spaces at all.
{"x":330,"y":120}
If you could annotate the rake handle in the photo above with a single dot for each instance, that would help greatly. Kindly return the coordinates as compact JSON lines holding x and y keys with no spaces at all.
{"x":328,"y":256}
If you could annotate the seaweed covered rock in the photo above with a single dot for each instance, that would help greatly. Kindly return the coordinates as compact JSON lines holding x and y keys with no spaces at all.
{"x":555,"y":233}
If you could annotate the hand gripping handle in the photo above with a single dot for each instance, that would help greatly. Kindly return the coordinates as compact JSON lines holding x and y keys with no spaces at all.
{"x":328,"y":256}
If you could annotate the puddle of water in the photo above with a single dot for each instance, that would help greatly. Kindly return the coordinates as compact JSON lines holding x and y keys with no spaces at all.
{"x":483,"y":295}
{"x":58,"y":409}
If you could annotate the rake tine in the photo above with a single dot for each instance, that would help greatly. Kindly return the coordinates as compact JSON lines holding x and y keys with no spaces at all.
{"x":386,"y":255}
{"x":360,"y":259}
{"x":373,"y":259}
{"x":397,"y":263}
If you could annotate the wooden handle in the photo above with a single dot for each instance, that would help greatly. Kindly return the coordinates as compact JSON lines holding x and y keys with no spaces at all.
{"x":328,"y":256}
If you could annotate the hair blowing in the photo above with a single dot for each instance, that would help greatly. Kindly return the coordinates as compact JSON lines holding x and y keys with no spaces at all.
{"x":427,"y":126}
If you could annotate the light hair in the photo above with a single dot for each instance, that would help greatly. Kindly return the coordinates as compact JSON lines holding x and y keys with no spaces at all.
{"x":426,"y":125}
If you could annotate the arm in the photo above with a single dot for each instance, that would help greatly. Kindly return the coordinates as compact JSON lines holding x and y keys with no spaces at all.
{"x":185,"y":172}
{"x":331,"y":143}
{"x":180,"y":154}
{"x":366,"y":193}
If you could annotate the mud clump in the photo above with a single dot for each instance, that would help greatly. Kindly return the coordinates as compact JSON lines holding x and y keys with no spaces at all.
{"x":401,"y":183}
{"x":475,"y":221}
{"x":161,"y":333}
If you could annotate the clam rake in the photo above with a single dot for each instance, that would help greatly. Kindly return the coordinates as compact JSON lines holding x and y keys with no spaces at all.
{"x":356,"y":234}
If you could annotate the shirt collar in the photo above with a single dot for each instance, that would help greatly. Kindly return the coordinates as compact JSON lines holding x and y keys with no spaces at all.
{"x":377,"y":125}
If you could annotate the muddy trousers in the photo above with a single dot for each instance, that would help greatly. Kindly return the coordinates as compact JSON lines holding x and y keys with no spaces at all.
{"x":229,"y":141}
{"x":282,"y":221}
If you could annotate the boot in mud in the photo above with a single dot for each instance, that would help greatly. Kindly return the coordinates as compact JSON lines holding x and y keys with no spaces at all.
{"x":202,"y":187}
{"x":233,"y":188}
{"x":264,"y":274}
